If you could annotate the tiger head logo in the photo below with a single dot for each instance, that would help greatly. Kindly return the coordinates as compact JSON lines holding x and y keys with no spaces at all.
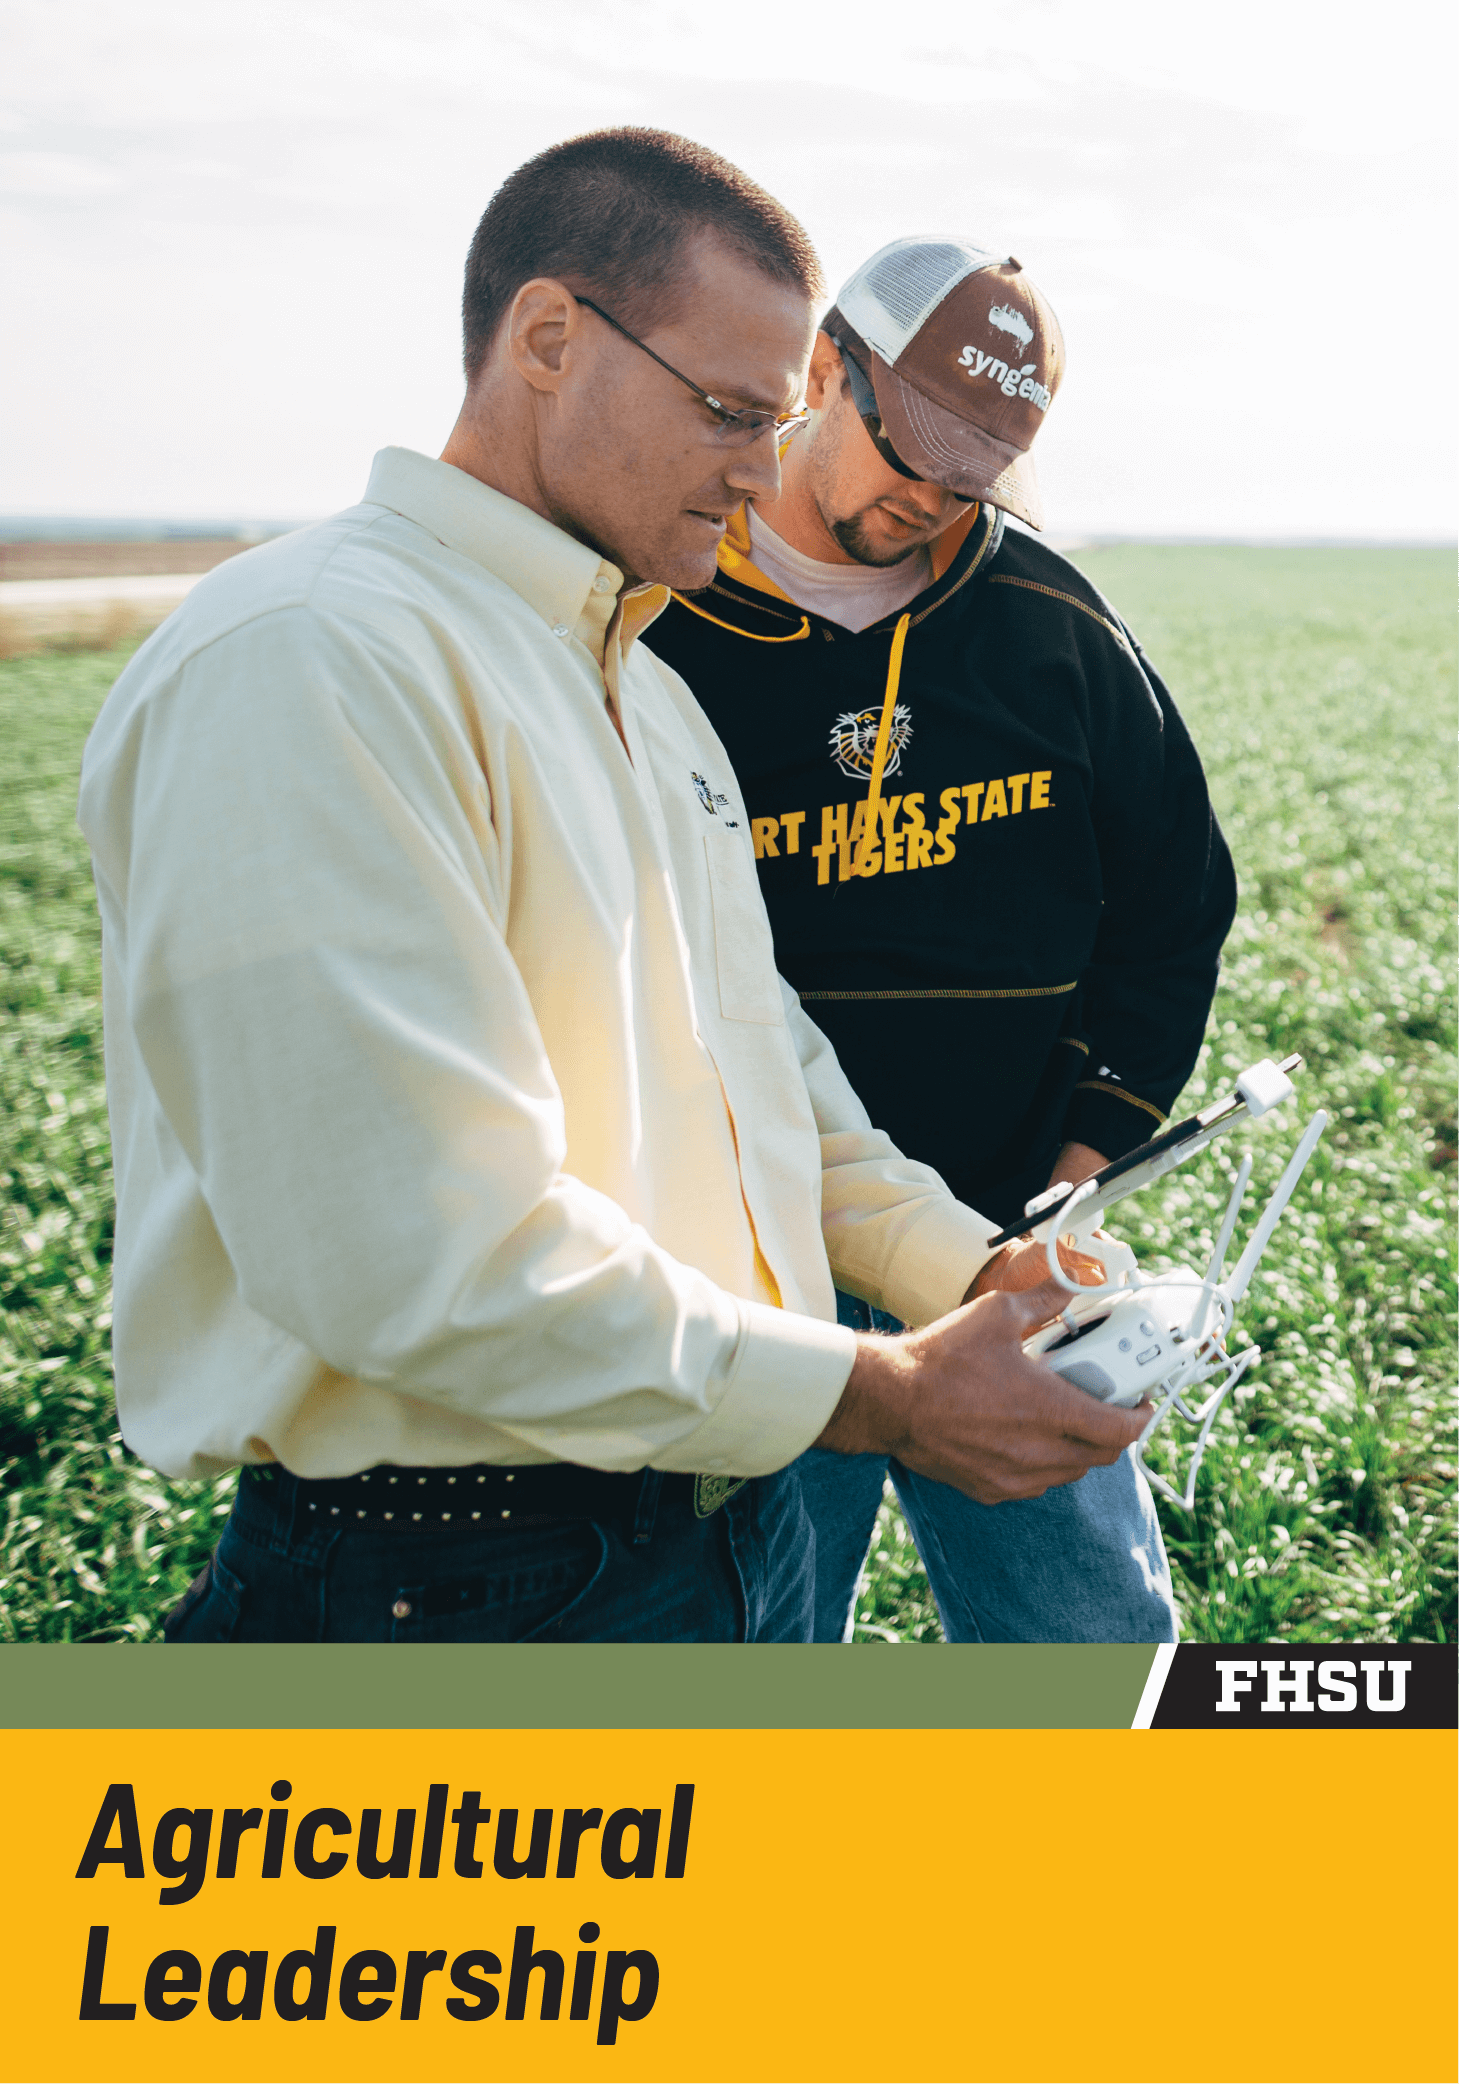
{"x":853,"y":740}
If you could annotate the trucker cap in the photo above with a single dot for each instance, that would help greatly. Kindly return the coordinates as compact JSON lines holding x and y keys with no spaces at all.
{"x":965,"y":358}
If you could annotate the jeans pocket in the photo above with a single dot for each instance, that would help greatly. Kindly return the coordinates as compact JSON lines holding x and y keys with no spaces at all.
{"x":514,"y":1589}
{"x":210,"y":1609}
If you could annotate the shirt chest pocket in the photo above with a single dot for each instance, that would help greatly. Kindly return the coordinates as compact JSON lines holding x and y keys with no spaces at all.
{"x":744,"y":952}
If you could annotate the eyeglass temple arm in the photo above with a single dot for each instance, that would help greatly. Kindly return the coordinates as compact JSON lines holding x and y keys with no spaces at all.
{"x":687,"y":382}
{"x":781,"y":420}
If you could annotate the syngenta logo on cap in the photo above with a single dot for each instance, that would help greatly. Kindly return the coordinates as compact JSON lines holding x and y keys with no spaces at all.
{"x":1013,"y":383}
{"x":1007,"y":320}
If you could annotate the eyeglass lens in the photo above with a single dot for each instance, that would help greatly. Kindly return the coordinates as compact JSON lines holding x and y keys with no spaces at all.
{"x":742,"y":428}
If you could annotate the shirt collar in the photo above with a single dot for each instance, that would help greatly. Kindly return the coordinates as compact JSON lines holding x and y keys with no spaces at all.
{"x":573,"y":589}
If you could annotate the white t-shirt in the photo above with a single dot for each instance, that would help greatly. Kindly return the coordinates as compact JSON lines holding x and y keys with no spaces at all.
{"x":855,"y":595}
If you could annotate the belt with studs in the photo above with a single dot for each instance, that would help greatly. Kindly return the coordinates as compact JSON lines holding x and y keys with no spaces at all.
{"x":482,"y":1495}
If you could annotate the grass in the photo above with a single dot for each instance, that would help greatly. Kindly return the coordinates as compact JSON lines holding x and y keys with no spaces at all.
{"x":93,"y":1546}
{"x":1319,"y":685}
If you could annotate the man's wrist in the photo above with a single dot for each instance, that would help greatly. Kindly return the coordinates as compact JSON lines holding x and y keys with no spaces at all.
{"x":1076,"y":1162}
{"x":987,"y":1275}
{"x":870,"y":1416}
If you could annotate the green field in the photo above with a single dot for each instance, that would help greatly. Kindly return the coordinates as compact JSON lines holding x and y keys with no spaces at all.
{"x":1320,"y":686}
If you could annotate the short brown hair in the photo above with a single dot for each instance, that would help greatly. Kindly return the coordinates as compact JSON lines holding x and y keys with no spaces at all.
{"x":611,"y":212}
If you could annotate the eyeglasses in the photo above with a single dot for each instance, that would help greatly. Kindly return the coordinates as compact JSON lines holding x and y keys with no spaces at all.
{"x":735,"y":430}
{"x":863,"y":397}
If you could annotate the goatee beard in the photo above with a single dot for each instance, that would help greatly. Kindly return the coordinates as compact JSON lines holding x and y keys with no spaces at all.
{"x":852,"y":537}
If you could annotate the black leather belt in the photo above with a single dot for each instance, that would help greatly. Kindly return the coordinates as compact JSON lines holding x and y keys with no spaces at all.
{"x":482,"y":1495}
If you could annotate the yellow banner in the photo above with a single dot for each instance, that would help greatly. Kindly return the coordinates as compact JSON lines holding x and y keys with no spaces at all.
{"x":941,"y":1904}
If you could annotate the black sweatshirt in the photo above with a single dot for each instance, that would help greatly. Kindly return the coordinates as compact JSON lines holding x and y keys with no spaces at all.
{"x":1029,"y":952}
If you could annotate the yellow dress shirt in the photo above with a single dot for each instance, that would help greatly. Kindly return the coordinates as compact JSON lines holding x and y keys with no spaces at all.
{"x":459,"y":1113}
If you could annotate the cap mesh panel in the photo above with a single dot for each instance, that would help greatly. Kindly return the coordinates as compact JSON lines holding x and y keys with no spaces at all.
{"x":892,"y":295}
{"x":909,"y":281}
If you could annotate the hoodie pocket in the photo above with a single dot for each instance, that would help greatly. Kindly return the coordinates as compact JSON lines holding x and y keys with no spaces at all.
{"x":744,"y":951}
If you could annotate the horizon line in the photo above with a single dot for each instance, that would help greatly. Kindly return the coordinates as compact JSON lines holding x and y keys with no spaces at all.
{"x":22,"y":527}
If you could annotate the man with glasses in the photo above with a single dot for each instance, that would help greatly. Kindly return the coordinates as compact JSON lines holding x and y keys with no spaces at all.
{"x":985,"y":845}
{"x":476,"y":1177}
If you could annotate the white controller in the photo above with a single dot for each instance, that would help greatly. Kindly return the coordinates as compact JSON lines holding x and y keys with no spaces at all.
{"x":1124,"y":1348}
{"x":1162,"y":1336}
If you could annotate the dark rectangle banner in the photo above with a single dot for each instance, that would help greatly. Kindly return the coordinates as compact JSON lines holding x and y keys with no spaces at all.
{"x":1303,"y":1686}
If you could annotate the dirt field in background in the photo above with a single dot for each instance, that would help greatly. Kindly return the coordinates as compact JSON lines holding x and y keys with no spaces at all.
{"x":116,"y":560}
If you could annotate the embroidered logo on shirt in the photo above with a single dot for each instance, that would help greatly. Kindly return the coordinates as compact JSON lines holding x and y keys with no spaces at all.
{"x":713,"y":801}
{"x":853,"y":740}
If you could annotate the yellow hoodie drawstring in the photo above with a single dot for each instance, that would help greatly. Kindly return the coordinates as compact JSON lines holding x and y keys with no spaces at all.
{"x":734,"y":629}
{"x":883,"y":739}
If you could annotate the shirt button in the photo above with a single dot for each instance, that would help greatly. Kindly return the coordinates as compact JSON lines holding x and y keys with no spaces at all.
{"x":559,"y":629}
{"x":602,"y":584}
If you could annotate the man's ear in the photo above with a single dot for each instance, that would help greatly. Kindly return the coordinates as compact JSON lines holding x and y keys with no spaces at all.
{"x":826,"y":374}
{"x":544,"y":330}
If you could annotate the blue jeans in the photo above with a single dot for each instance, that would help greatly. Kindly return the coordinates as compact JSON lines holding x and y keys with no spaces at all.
{"x":1083,"y":1564}
{"x":744,"y":1574}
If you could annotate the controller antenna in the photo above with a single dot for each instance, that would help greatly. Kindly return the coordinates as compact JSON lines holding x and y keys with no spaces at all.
{"x":1272,"y":1214}
{"x":1228,"y":1221}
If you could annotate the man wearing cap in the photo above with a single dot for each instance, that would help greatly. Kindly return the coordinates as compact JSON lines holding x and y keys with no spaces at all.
{"x":985,"y":845}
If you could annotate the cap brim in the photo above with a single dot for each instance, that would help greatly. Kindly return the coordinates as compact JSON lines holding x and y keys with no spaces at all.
{"x":949,"y":451}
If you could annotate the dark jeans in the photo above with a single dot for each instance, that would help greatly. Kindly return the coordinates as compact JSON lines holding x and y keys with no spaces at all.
{"x":744,"y":1574}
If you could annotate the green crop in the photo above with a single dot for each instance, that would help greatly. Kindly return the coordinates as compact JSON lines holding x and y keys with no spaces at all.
{"x":1319,"y":685}
{"x":93,"y":1546}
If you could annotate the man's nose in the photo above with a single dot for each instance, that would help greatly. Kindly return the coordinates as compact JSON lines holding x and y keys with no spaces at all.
{"x":934,"y":500}
{"x":755,"y":469}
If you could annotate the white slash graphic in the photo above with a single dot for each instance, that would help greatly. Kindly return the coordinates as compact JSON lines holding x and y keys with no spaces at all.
{"x":1154,"y":1685}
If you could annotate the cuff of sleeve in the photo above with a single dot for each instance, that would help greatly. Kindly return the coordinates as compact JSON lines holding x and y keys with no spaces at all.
{"x":1109,"y":1120}
{"x":936,"y":1262}
{"x":785,"y":1381}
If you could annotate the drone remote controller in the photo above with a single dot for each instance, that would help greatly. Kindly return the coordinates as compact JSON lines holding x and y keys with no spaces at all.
{"x":1162,"y":1336}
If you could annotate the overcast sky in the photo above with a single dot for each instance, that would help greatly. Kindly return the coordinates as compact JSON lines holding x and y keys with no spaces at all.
{"x":233,"y":229}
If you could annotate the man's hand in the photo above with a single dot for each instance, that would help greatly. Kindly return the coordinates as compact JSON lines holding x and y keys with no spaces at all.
{"x":961,"y":1401}
{"x":1023,"y":1265}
